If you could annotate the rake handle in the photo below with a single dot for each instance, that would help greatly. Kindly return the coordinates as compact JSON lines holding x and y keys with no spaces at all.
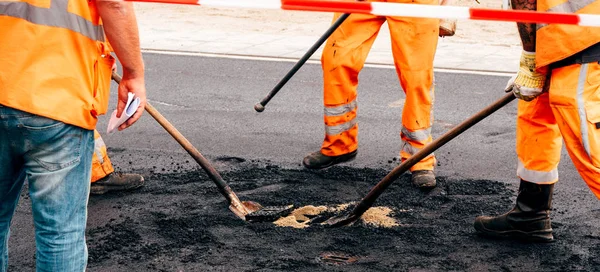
{"x":260,"y":106}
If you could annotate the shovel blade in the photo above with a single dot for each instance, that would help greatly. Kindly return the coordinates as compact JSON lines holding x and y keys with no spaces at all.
{"x":244,"y":209}
{"x":239,"y":211}
{"x":340,"y":220}
{"x":269,"y":213}
{"x":251,"y":206}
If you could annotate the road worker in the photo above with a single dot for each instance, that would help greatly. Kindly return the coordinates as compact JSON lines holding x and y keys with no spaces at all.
{"x":104,"y":177}
{"x":559,"y":86}
{"x":414,"y":41}
{"x":55,"y":76}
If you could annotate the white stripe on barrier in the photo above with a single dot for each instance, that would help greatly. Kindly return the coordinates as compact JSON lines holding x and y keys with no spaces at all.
{"x":400,"y":9}
{"x":589,"y":20}
{"x":422,"y":11}
{"x":261,"y":4}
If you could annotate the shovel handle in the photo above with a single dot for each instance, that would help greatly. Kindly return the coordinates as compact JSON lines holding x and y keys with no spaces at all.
{"x":201,"y":160}
{"x":369,"y":200}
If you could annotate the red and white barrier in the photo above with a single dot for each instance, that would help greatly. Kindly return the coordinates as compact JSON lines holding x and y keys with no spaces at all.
{"x":398,"y":9}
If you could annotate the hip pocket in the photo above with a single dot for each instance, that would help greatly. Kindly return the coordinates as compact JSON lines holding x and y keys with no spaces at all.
{"x":54,"y":145}
{"x":592,"y":110}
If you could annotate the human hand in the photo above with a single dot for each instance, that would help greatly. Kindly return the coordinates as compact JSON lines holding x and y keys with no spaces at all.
{"x":131,"y":83}
{"x":528,"y":83}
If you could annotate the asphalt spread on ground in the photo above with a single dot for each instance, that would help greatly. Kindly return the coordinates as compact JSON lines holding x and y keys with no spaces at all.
{"x":180,"y":222}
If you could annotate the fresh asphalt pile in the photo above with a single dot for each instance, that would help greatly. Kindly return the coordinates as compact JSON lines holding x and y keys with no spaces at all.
{"x":180,"y":222}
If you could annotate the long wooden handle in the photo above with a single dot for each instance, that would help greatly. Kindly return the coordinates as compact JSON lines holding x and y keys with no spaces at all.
{"x":376,"y":191}
{"x":260,"y":106}
{"x":201,"y":160}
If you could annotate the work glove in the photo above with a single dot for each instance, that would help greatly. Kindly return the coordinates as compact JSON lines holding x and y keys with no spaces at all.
{"x":528,"y":83}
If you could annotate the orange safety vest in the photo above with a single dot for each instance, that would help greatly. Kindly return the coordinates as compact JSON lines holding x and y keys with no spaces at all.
{"x":54,"y":60}
{"x":556,"y":42}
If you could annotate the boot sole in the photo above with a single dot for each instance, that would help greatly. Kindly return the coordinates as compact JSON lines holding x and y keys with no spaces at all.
{"x":333,"y":162}
{"x":97,"y":190}
{"x":543,"y":236}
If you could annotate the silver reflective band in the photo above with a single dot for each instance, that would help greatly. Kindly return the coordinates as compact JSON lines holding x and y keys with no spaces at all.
{"x":570,"y":6}
{"x":340,"y":110}
{"x":567,"y":7}
{"x":536,"y":176}
{"x":335,"y":130}
{"x":98,"y":145}
{"x":411,"y":150}
{"x":417,"y":135}
{"x":57,"y":16}
{"x":583,"y":123}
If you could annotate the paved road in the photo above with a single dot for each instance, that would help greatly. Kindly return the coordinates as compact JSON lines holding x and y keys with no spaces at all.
{"x":210,"y":101}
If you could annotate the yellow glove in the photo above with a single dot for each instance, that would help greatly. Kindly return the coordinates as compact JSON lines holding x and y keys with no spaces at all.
{"x":528,"y":83}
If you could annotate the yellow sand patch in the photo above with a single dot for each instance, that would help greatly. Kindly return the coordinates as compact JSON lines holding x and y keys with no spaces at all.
{"x":290,"y":221}
{"x":341,"y":207}
{"x":298,"y":218}
{"x":379,"y":217}
{"x":375,"y":216}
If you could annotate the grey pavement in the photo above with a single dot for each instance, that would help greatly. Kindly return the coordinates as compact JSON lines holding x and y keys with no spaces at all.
{"x":254,"y":33}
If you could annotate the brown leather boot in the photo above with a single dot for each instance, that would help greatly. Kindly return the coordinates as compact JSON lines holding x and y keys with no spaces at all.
{"x":529,"y":220}
{"x":116,"y":182}
{"x":317,"y":160}
{"x":424,"y":179}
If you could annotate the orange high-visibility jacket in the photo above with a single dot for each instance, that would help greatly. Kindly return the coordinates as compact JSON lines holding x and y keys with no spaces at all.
{"x":54,"y":60}
{"x":556,"y":42}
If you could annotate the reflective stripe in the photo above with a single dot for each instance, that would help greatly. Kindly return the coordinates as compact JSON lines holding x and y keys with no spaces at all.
{"x":340,"y":110}
{"x":57,"y":16}
{"x":98,"y":146}
{"x":567,"y":7}
{"x":432,"y":95}
{"x":536,"y":176}
{"x":411,"y":150}
{"x":335,"y":130}
{"x":406,"y":147}
{"x":570,"y":6}
{"x":417,"y":135}
{"x":581,"y":108}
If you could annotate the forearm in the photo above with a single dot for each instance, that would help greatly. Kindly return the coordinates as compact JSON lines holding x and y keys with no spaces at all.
{"x":526,"y":30}
{"x":121,"y":29}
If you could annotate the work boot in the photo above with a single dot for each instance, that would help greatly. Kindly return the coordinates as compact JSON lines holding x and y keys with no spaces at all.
{"x":529,"y":220}
{"x":424,"y":179}
{"x":447,"y":27}
{"x":116,"y":182}
{"x":317,"y":160}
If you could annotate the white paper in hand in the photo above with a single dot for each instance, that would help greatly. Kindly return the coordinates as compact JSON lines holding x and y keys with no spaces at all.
{"x":132,"y":105}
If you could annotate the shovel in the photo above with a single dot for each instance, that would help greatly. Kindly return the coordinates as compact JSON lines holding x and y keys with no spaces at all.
{"x":245,"y":210}
{"x":369,"y":200}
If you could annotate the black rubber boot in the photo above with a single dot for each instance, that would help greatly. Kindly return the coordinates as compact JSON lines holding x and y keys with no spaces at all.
{"x":116,"y":182}
{"x":529,"y":220}
{"x":424,"y":179}
{"x":317,"y":160}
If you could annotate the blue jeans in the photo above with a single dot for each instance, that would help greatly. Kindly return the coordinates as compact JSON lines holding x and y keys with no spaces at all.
{"x":55,"y":158}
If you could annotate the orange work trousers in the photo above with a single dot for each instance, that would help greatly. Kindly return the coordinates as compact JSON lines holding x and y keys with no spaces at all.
{"x":414,"y":41}
{"x":569,"y":111}
{"x":101,"y":165}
